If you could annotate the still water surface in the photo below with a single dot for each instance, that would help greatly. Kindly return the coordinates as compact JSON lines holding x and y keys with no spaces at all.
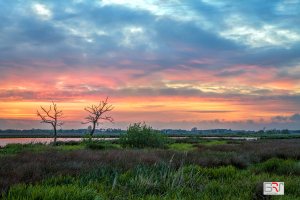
{"x":4,"y":141}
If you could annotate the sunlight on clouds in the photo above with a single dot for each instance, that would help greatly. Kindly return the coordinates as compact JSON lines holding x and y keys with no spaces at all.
{"x":22,"y":88}
{"x":70,"y":10}
{"x":101,"y":33}
{"x":42,"y":11}
{"x":81,"y":28}
{"x":266,"y":36}
{"x":177,"y":85}
{"x":147,"y":5}
{"x":215,"y":2}
{"x":173,"y":9}
{"x":288,"y":7}
{"x":133,"y":36}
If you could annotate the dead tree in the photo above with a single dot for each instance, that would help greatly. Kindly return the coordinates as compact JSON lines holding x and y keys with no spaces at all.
{"x":96,"y":114}
{"x":53,"y":118}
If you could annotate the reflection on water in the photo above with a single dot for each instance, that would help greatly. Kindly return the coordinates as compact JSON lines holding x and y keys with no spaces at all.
{"x":4,"y":141}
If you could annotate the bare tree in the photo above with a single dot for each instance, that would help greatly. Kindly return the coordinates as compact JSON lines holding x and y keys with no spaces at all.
{"x":96,"y":114}
{"x":53,"y":118}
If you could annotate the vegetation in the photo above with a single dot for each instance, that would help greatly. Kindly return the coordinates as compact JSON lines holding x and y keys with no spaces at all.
{"x":190,"y":168}
{"x":141,"y":136}
{"x":12,"y":149}
{"x":159,"y":181}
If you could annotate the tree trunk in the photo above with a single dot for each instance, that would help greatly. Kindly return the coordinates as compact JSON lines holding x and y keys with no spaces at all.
{"x":54,"y":142}
{"x":94,"y":126}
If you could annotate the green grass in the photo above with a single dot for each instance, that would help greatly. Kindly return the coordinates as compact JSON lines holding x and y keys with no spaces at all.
{"x":181,"y":146}
{"x":15,"y":148}
{"x":212,"y":142}
{"x":278,"y":166}
{"x":74,"y":147}
{"x":188,"y":146}
{"x":157,"y":182}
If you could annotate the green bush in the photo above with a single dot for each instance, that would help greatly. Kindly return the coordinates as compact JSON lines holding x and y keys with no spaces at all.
{"x":140,"y":136}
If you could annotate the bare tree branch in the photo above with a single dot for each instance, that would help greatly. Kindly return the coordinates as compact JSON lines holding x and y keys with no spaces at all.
{"x":57,"y":115}
{"x":97,"y":111}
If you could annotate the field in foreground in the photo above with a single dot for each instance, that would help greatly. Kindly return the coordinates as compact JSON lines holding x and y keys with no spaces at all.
{"x":188,"y":169}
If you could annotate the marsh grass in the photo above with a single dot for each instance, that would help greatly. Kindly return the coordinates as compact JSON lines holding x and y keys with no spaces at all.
{"x":212,"y":142}
{"x":277,"y":166}
{"x":216,"y":171}
{"x":15,"y":148}
{"x":160,"y":181}
{"x":181,"y":146}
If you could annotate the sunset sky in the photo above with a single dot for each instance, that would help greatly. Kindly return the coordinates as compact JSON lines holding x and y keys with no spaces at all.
{"x":174,"y":64}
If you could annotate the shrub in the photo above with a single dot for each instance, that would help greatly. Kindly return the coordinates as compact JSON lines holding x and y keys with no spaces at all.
{"x":140,"y":136}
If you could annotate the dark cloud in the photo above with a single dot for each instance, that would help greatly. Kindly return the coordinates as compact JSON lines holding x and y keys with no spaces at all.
{"x":279,"y":118}
{"x":295,"y":117}
{"x":262,"y":91}
{"x":64,"y":33}
{"x":250,"y":121}
{"x":230,"y":73}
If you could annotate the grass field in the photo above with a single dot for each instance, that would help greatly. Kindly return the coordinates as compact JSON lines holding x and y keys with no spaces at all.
{"x":192,"y":169}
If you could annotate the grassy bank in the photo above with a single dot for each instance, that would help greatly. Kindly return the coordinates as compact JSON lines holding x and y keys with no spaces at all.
{"x":195,"y":169}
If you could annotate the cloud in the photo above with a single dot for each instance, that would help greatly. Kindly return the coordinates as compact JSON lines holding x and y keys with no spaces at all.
{"x":295,"y":117}
{"x":249,"y":121}
{"x":279,"y":118}
{"x":230,"y":73}
{"x":218,"y":51}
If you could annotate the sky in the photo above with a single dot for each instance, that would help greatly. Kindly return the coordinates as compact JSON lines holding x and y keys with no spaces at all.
{"x":173,"y":64}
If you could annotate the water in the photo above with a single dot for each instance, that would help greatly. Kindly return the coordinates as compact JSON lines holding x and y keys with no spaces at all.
{"x":5,"y":141}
